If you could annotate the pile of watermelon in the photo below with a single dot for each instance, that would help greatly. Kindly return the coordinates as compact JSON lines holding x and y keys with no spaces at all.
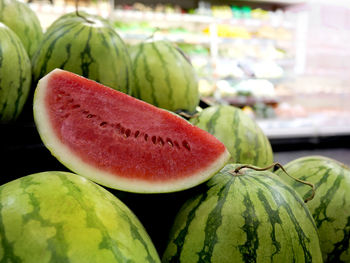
{"x":141,"y":183}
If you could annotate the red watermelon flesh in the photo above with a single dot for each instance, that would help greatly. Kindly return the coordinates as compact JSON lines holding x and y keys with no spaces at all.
{"x":119,"y":141}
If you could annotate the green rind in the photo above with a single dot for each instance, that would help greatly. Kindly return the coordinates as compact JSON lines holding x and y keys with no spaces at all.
{"x":93,"y":50}
{"x":23,"y":21}
{"x":163,"y":77}
{"x":15,"y":75}
{"x":62,"y":217}
{"x":251,"y":217}
{"x":241,"y":135}
{"x":330,"y":206}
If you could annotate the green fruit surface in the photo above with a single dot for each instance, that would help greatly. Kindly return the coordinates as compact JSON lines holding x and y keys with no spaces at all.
{"x":89,"y":48}
{"x":164,"y":77}
{"x":15,"y":75}
{"x":62,"y":217}
{"x":330,"y":206}
{"x":247,"y":216}
{"x":241,"y":135}
{"x":23,"y":21}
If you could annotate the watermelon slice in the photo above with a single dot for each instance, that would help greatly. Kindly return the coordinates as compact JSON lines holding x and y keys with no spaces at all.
{"x":119,"y":141}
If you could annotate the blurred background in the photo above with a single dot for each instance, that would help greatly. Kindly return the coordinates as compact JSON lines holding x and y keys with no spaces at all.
{"x":284,"y":62}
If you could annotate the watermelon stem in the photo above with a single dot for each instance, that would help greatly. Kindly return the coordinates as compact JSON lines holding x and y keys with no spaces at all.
{"x":153,"y":33}
{"x":79,"y":15}
{"x":282,"y":168}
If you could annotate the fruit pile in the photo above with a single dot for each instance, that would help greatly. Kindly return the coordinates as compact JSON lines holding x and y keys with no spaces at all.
{"x":146,"y":184}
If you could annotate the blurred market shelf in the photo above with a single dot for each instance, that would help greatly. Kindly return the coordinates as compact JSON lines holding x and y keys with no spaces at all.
{"x":308,"y":127}
{"x":119,"y":14}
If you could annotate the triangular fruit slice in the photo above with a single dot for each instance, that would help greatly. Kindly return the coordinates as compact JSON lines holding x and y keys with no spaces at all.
{"x":119,"y":141}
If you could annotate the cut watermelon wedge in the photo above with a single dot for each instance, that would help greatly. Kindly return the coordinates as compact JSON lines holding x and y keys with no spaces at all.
{"x":119,"y":141}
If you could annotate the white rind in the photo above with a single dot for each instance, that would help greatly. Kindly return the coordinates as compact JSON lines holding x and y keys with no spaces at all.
{"x":77,"y":165}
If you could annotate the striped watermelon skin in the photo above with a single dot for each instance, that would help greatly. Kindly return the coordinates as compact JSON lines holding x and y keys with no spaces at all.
{"x":241,"y":135}
{"x":23,"y":21}
{"x":15,"y":75}
{"x":331,"y":205}
{"x":163,"y":76}
{"x":93,"y":50}
{"x":244,"y":217}
{"x":62,"y":217}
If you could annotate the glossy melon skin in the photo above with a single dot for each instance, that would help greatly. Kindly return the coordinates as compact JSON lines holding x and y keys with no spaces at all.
{"x":163,"y":76}
{"x":119,"y":141}
{"x":63,"y":217}
{"x":330,"y":206}
{"x":248,"y":216}
{"x":242,"y":136}
{"x":24,"y":22}
{"x":15,"y":75}
{"x":90,"y":48}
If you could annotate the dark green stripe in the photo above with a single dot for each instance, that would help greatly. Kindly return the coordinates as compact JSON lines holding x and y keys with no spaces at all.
{"x":250,"y":227}
{"x":320,"y":213}
{"x":134,"y":229}
{"x":257,"y":145}
{"x":85,"y":55}
{"x":211,"y":123}
{"x":49,"y":50}
{"x":185,"y":73}
{"x":21,"y":55}
{"x":213,"y":223}
{"x":91,"y":219}
{"x":236,"y":122}
{"x":137,"y":57}
{"x":280,"y":201}
{"x":68,"y":56}
{"x":274,"y":219}
{"x":166,"y":74}
{"x":179,"y":241}
{"x":150,"y":79}
{"x":117,"y":44}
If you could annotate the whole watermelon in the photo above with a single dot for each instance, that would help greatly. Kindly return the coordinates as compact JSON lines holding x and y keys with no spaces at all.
{"x":62,"y":217}
{"x":330,"y":206}
{"x":88,"y":46}
{"x":23,"y":21}
{"x":15,"y":75}
{"x":244,"y":216}
{"x":163,"y":76}
{"x":241,"y":135}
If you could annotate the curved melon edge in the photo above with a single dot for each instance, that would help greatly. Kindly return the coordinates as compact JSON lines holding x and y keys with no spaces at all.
{"x":70,"y":160}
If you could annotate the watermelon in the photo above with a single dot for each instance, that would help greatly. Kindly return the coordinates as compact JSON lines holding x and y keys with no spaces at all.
{"x":244,"y":139}
{"x":15,"y":75}
{"x":330,"y":206}
{"x":90,"y":48}
{"x":163,"y":76}
{"x":120,"y":141}
{"x":244,"y":216}
{"x":23,"y":21}
{"x":62,"y":217}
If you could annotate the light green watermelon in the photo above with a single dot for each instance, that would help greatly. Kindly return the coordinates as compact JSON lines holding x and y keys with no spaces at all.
{"x":330,"y":206}
{"x":163,"y":76}
{"x":62,"y":217}
{"x":23,"y":21}
{"x":15,"y":75}
{"x":244,"y":216}
{"x":90,"y":48}
{"x":241,"y":135}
